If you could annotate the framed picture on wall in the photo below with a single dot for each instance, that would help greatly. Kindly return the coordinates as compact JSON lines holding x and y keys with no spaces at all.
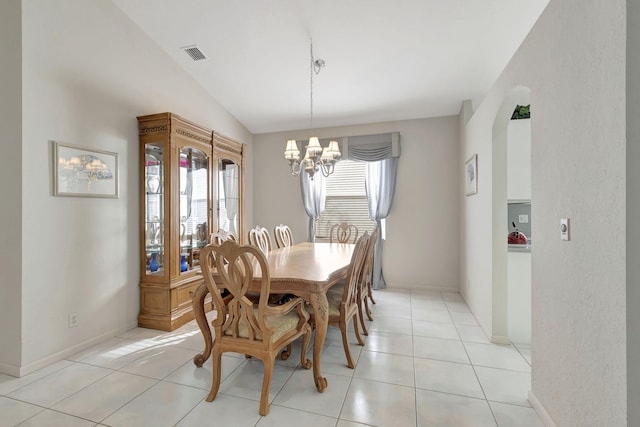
{"x":84,"y":172}
{"x":471,"y":175}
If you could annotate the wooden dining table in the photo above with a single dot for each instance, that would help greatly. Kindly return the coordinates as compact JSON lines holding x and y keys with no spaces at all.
{"x":306,"y":270}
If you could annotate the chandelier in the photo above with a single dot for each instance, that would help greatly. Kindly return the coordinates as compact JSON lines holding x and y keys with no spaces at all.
{"x":316,"y":157}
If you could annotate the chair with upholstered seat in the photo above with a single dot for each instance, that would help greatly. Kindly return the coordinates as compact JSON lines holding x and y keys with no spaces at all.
{"x":343,"y":298}
{"x":242,"y":325}
{"x":283,"y":236}
{"x":365,"y":288}
{"x":259,"y":236}
{"x":343,"y":233}
{"x":221,"y":236}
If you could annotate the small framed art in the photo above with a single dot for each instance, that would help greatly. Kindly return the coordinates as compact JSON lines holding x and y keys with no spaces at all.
{"x":83,"y":172}
{"x":471,"y":175}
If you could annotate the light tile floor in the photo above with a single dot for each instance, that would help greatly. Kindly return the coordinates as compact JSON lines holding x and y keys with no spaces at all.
{"x":426,"y":362}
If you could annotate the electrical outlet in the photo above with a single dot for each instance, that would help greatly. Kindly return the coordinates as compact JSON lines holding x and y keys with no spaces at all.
{"x":73,"y":320}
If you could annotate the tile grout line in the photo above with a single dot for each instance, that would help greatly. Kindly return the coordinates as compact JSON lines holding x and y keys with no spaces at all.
{"x":474,"y":370}
{"x":413,"y":296}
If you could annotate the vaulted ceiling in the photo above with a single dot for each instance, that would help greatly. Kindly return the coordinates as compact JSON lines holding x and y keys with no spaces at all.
{"x":385,"y":60}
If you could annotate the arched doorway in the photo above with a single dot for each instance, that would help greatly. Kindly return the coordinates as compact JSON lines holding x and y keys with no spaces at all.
{"x":500,"y":333}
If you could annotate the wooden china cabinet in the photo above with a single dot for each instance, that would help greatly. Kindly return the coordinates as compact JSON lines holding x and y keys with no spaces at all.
{"x":178,"y":206}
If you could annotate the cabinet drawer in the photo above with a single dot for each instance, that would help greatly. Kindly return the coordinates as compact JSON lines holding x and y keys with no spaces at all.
{"x":185,"y":294}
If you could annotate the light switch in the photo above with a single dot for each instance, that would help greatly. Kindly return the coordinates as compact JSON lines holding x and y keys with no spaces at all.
{"x":523,"y":219}
{"x":564,"y":229}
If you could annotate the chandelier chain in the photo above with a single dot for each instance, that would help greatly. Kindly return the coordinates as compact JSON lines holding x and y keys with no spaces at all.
{"x":314,"y":68}
{"x":311,"y":86}
{"x":316,"y":157}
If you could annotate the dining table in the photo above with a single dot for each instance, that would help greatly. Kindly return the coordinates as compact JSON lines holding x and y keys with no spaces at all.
{"x":307,"y":270}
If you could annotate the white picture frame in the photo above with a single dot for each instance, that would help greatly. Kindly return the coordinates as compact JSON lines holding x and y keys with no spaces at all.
{"x":84,"y":172}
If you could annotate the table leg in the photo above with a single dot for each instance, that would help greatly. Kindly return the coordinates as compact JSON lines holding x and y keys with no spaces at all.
{"x":201,"y":318}
{"x":321,"y":313}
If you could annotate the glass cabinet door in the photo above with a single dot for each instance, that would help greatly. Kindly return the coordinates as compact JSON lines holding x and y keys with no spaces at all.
{"x":228,"y":187}
{"x":228,"y":196}
{"x":194,"y":206}
{"x":154,"y":209}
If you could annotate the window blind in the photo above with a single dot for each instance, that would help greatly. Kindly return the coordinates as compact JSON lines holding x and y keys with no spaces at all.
{"x":346,"y":199}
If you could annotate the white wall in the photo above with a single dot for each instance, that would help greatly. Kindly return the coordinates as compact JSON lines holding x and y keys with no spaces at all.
{"x":574,"y":63}
{"x":425,"y":214}
{"x":10,"y":185}
{"x":87,"y":73}
{"x":519,"y":160}
{"x":633,"y":211}
{"x":519,"y":297}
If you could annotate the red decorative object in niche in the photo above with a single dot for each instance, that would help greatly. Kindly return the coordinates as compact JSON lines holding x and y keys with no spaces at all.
{"x":517,"y":238}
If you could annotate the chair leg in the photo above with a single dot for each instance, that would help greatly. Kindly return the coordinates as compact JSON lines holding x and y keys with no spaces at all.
{"x":304,"y":361}
{"x":355,"y":328}
{"x":345,"y":344}
{"x":370,"y":294}
{"x":361,"y":316}
{"x":266,"y":383}
{"x":368,"y":310}
{"x":216,"y":360}
{"x":286,"y":353}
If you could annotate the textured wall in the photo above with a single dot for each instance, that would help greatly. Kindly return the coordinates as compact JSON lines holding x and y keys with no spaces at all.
{"x":578,"y":171}
{"x":574,"y":63}
{"x":633,"y":210}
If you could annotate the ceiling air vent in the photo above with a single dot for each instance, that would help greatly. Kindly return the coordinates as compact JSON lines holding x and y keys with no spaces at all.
{"x":194,"y":52}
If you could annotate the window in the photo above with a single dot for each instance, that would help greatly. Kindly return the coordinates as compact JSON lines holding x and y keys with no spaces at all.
{"x":346,"y":199}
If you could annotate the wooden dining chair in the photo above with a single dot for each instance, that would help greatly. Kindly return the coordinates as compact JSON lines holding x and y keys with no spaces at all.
{"x":343,"y":299}
{"x":221,"y":236}
{"x":343,"y":233}
{"x":364,"y":282}
{"x":283,"y":236}
{"x":244,"y":326}
{"x":370,"y":275}
{"x":259,"y":237}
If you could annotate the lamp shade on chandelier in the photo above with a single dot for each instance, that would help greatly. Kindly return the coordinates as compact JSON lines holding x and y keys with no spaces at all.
{"x":316,"y":157}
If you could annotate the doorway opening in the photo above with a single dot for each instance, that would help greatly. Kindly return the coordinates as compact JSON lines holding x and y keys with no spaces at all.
{"x":511,"y":207}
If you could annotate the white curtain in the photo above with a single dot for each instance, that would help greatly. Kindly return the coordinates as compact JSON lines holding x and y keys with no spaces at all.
{"x":381,"y":188}
{"x":381,"y":152}
{"x":314,"y":195}
{"x":231,"y":196}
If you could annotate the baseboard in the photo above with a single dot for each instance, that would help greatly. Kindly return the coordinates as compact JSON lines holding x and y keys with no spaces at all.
{"x":7,"y":369}
{"x":409,"y":286}
{"x":48,"y":360}
{"x":540,"y":410}
{"x":498,"y":339}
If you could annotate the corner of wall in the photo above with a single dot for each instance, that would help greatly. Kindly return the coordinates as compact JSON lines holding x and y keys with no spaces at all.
{"x":540,"y":410}
{"x":466,"y":112}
